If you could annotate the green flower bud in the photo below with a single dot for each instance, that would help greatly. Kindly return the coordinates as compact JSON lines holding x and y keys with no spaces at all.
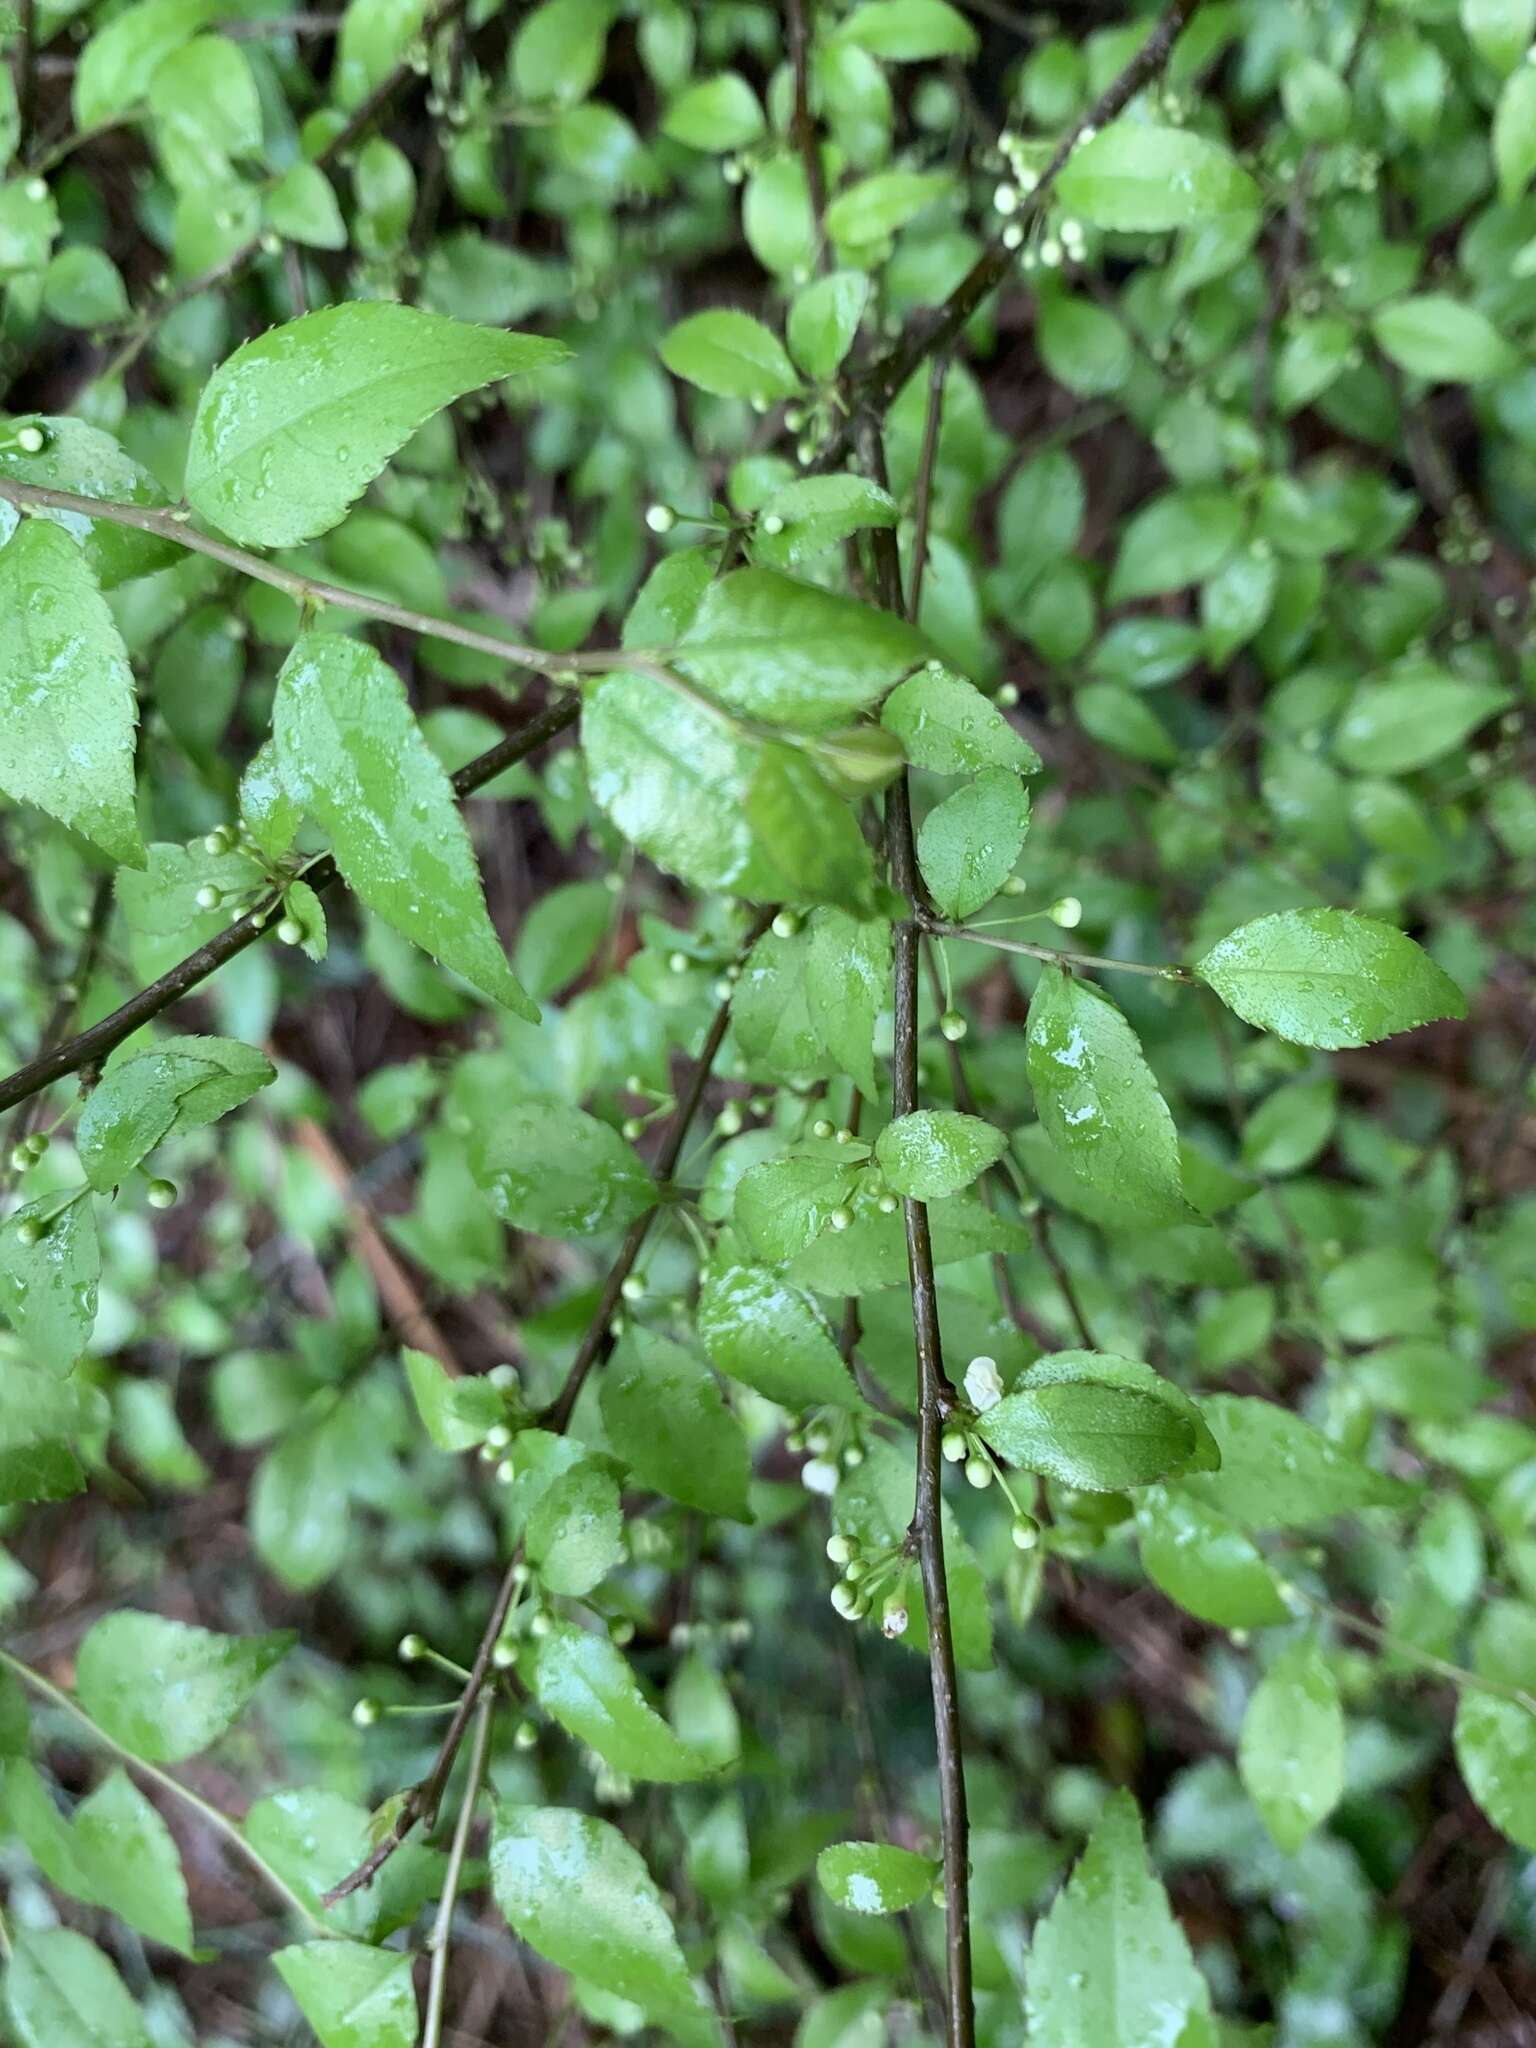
{"x":160,"y":1194}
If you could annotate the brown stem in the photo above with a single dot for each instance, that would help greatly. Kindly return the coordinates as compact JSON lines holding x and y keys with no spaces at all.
{"x":187,"y":974}
{"x":935,"y":1393}
{"x":599,"y":1340}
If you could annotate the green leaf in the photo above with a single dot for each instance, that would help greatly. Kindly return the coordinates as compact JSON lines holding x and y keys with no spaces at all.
{"x":1082,"y":345}
{"x":946,"y":724}
{"x":731,"y":355}
{"x":67,"y":706}
{"x":554,"y":1169}
{"x":84,"y":289}
{"x":865,"y":213}
{"x":166,"y":1690}
{"x":586,"y":1685}
{"x":674,"y":779}
{"x":782,"y":1204}
{"x":558,"y":51}
{"x":873,"y":1877}
{"x":935,"y":1152}
{"x":456,"y":1413}
{"x":1119,"y":719}
{"x":1098,"y":1101}
{"x":294,"y":425}
{"x":1109,"y":1964}
{"x":350,"y":750}
{"x":302,"y":207}
{"x":81,"y":458}
{"x":127,"y":1855}
{"x":298,"y":1511}
{"x":847,"y":979}
{"x":1097,"y":1421}
{"x":40,"y":1418}
{"x":816,"y":842}
{"x":177,"y":1085}
{"x":1436,"y":337}
{"x":48,"y":1289}
{"x":1178,"y":539}
{"x":872,"y":1253}
{"x":1328,"y":978}
{"x":967,"y":845}
{"x":668,"y":1420}
{"x":768,"y":1334}
{"x":1141,"y":179}
{"x":1514,"y":134}
{"x":206,"y":108}
{"x":61,"y":1992}
{"x":1412,"y":718}
{"x":910,"y":31}
{"x":793,"y":654}
{"x":1278,"y":1472}
{"x":119,"y":61}
{"x":352,"y":1995}
{"x":824,"y":320}
{"x":1204,"y":1561}
{"x":1500,"y":31}
{"x":1291,"y":1751}
{"x":577,"y":1893}
{"x":575,"y":1532}
{"x":560,"y":935}
{"x":816,"y":513}
{"x":716,"y":115}
{"x":1495,"y":1741}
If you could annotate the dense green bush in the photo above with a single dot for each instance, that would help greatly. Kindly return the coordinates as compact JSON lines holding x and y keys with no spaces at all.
{"x":718,"y":730}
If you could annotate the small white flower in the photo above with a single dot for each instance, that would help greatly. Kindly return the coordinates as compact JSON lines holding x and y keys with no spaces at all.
{"x":819,"y":1475}
{"x":983,"y":1384}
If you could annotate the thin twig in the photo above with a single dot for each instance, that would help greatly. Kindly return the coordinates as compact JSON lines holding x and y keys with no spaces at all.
{"x":935,"y":1393}
{"x":167,"y":524}
{"x":187,"y":974}
{"x":927,"y":460}
{"x":220,"y":1822}
{"x":439,"y":1941}
{"x":937,"y":928}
